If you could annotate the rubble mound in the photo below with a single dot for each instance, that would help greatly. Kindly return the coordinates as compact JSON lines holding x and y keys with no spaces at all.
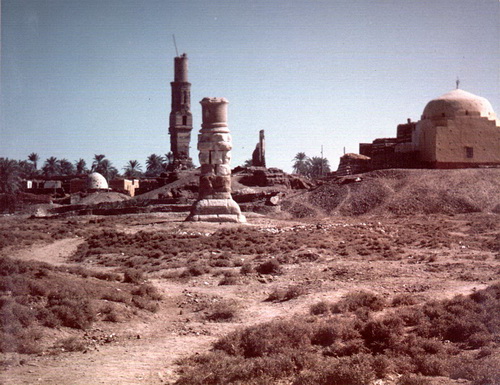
{"x":402,"y":192}
{"x":103,"y":197}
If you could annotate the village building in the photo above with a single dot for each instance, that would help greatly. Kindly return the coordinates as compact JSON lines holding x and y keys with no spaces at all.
{"x":456,"y":130}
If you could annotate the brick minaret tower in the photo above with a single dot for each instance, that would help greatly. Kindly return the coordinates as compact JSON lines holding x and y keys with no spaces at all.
{"x":181,"y":119}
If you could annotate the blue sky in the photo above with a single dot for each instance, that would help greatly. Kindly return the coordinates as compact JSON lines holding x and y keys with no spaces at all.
{"x":80,"y":78}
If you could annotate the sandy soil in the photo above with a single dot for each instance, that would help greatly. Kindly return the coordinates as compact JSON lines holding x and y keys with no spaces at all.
{"x":144,"y":351}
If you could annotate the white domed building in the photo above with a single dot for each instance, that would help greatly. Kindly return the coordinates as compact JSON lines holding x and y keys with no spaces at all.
{"x":456,"y":130}
{"x":96,"y":182}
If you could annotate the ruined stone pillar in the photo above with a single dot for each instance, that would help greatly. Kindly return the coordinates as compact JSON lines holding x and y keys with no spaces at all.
{"x":215,"y":203}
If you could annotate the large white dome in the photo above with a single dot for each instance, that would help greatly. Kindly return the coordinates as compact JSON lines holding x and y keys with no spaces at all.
{"x":96,"y":181}
{"x":458,"y":103}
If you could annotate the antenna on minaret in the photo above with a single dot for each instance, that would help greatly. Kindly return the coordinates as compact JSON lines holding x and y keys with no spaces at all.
{"x":175,"y":45}
{"x":457,"y":82}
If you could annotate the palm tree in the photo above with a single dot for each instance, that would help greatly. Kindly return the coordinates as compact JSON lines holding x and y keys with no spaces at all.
{"x":106,"y":169}
{"x":10,"y":176}
{"x":133,"y":169}
{"x":65,"y":167}
{"x":169,"y":157}
{"x":26,"y":169}
{"x":33,"y":157}
{"x":97,"y":161}
{"x":317,"y":167}
{"x":81,"y":166}
{"x":155,"y":165}
{"x":50,"y":167}
{"x":300,"y":163}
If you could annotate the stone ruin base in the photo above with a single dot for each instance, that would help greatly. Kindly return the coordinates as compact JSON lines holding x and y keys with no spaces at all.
{"x":216,"y":210}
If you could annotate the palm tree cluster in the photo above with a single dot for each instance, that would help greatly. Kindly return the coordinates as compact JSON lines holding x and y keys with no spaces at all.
{"x":314,"y":167}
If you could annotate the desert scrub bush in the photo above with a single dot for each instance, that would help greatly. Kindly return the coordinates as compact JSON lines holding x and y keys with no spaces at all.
{"x":266,"y":339}
{"x":334,"y":330}
{"x":223,"y":311}
{"x":229,"y":278}
{"x":322,"y":307}
{"x":410,"y":379}
{"x":133,"y":276}
{"x":34,"y":294}
{"x":71,"y":344}
{"x":195,"y":270}
{"x":148,"y":291}
{"x":355,"y":370}
{"x":404,"y":300}
{"x":246,"y":269}
{"x":225,"y":369}
{"x":358,"y":300}
{"x":380,"y":335}
{"x":271,"y":266}
{"x":343,"y":349}
{"x":286,"y":294}
{"x":483,"y":371}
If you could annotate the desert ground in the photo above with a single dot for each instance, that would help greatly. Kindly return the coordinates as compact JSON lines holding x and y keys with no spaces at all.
{"x":161,"y":292}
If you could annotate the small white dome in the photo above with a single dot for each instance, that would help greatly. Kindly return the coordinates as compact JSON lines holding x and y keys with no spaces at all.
{"x":96,"y":181}
{"x":458,"y":102}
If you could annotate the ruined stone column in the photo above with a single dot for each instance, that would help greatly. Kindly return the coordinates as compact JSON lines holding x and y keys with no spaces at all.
{"x":215,"y":203}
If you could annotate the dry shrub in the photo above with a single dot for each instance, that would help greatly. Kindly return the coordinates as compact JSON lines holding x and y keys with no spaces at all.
{"x":359,"y":300}
{"x":342,"y":349}
{"x":225,"y":369}
{"x":148,"y":291}
{"x":71,"y":344}
{"x":383,"y":334}
{"x":223,"y":311}
{"x":267,"y":339}
{"x":286,"y":294}
{"x":39,"y":294}
{"x":246,"y":269}
{"x":404,"y":300}
{"x":133,"y":276}
{"x":409,"y":379}
{"x":229,"y":278}
{"x":195,"y":270}
{"x":271,"y":266}
{"x":335,"y":330}
{"x":322,"y":307}
{"x":354,"y":370}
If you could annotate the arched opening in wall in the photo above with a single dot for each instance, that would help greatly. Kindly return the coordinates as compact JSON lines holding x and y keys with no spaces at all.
{"x":184,"y":120}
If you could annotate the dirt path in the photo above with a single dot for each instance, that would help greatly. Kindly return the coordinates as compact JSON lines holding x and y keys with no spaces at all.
{"x":56,"y":253}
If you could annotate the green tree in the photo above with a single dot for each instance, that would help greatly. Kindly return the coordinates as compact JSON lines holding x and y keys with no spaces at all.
{"x":98,"y":158}
{"x":169,"y":158}
{"x":133,"y":169}
{"x":50,"y":167}
{"x":300,"y":165}
{"x":155,"y":165}
{"x":317,"y":167}
{"x":26,"y":169}
{"x":81,"y":166}
{"x":65,"y":167}
{"x":106,"y":169}
{"x":34,"y":158}
{"x":10,"y":176}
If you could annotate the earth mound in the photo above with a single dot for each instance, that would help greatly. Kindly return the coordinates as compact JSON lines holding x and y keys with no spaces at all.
{"x":402,"y":192}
